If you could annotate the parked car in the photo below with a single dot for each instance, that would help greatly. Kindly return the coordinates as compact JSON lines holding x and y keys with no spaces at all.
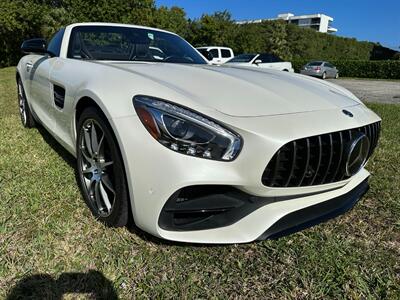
{"x":192,"y":152}
{"x":321,"y":69}
{"x":264,"y":60}
{"x":219,"y":55}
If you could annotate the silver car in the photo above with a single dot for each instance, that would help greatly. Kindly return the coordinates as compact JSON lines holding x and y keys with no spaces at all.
{"x":321,"y":69}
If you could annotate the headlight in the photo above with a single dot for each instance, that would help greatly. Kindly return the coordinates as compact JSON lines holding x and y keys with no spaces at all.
{"x":186,"y":131}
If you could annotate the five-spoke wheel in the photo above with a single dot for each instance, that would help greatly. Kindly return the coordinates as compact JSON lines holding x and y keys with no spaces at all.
{"x":100,"y":169}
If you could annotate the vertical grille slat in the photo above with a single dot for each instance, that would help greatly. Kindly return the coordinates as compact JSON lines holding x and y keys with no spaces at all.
{"x":315,"y":160}
{"x":293,"y":163}
{"x":330,"y":157}
{"x":341,"y":153}
{"x":307,"y":162}
{"x":372,"y":138}
{"x":276,"y":166}
{"x":319,"y":160}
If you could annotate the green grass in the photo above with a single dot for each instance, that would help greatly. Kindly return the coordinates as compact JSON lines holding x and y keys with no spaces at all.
{"x":47,"y":234}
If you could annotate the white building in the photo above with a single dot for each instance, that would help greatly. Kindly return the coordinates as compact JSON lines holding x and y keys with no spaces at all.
{"x":319,"y":22}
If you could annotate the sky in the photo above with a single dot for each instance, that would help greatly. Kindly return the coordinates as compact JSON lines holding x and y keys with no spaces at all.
{"x":370,"y":20}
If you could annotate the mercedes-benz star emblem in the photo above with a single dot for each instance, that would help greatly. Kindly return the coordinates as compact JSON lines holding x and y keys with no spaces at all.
{"x":357,"y":154}
{"x":347,"y":113}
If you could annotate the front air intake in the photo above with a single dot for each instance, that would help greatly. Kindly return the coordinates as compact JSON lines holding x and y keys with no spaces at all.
{"x":315,"y":160}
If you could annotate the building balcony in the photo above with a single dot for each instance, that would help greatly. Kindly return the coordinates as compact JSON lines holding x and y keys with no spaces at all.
{"x":331,"y":29}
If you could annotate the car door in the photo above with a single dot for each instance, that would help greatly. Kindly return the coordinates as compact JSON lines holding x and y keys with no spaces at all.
{"x":260,"y":61}
{"x":329,"y":70}
{"x":225,"y":55}
{"x":333,"y":68}
{"x":60,"y":82}
{"x":39,"y":89}
{"x":265,"y":61}
{"x":216,"y":55}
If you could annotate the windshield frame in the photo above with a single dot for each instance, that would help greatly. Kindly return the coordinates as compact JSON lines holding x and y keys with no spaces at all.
{"x":194,"y":55}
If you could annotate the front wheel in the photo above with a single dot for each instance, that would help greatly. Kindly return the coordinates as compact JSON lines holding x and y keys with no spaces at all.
{"x":337,"y":76}
{"x":101,"y":174}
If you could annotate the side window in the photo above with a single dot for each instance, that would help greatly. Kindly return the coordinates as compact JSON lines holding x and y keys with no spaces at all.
{"x":225,"y":53}
{"x":55,"y":43}
{"x":265,"y":58}
{"x":214,"y":53}
{"x":275,"y":58}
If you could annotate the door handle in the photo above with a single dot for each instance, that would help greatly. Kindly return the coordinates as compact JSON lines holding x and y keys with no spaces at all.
{"x":29,"y":66}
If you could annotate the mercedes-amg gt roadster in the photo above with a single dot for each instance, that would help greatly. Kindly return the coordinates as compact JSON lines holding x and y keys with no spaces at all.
{"x":190,"y":151}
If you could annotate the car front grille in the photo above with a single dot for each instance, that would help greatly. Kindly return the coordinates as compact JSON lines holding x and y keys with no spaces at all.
{"x":315,"y":160}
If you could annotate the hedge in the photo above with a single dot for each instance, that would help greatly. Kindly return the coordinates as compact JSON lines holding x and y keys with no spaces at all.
{"x":382,"y":69}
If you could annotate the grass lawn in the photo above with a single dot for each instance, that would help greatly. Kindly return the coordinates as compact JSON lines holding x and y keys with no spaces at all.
{"x":51,"y":245}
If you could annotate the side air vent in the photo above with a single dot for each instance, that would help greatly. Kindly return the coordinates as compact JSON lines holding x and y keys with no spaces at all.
{"x":59,"y":96}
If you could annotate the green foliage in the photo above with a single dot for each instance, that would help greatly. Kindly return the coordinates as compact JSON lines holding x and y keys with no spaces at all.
{"x":172,"y":19}
{"x":312,"y":45}
{"x":21,"y":19}
{"x":217,"y":29}
{"x":385,"y":69}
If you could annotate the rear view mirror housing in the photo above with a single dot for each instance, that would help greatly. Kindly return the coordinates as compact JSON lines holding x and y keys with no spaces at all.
{"x":38,"y":46}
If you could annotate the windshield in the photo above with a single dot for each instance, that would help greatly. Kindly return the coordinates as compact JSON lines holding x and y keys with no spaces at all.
{"x":242,"y":58}
{"x":130,"y":44}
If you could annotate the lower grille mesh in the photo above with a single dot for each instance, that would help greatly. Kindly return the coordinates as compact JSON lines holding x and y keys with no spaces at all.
{"x":315,"y":160}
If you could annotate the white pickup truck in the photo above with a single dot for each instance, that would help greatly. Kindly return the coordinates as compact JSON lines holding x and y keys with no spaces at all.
{"x":219,"y":55}
{"x":264,"y":60}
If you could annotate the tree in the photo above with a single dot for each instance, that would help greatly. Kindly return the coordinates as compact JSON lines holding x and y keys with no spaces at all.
{"x":216,"y":29}
{"x":171,"y":19}
{"x":19,"y":20}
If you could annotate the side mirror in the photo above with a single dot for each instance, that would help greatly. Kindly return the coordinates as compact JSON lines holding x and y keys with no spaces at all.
{"x":258,"y":61}
{"x":34,"y":46}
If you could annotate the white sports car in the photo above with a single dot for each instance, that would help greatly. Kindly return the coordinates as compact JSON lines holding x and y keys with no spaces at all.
{"x":194,"y":152}
{"x":264,"y":60}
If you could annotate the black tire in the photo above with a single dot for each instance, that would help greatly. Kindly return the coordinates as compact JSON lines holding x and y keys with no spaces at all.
{"x":25,"y":113}
{"x":118,"y":215}
{"x":323,"y":76}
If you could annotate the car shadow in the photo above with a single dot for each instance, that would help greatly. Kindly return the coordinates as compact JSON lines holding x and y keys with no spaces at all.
{"x":52,"y":142}
{"x":44,"y":286}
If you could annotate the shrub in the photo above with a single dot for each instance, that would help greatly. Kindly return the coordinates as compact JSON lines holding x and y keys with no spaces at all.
{"x":382,"y":69}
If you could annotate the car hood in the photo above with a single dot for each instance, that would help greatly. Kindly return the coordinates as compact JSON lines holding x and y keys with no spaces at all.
{"x":244,"y":91}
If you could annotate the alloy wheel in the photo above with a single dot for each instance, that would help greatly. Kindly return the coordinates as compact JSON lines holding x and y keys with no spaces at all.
{"x":96,"y":167}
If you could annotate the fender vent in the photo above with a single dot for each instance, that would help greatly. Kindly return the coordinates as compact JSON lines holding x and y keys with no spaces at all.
{"x":59,"y":96}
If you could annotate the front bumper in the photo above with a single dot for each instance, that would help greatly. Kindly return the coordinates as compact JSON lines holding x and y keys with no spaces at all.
{"x":317,"y":213}
{"x":155,"y":173}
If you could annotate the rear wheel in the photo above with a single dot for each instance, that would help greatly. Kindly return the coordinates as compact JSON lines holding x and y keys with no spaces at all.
{"x":324,"y":75}
{"x":337,"y":76}
{"x":24,"y":111}
{"x":100,"y":169}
